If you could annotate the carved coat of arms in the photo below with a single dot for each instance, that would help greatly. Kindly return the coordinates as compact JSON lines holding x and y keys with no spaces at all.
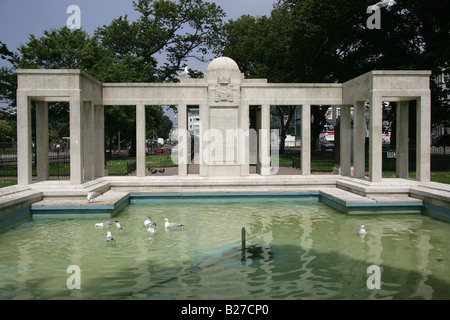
{"x":224,"y":90}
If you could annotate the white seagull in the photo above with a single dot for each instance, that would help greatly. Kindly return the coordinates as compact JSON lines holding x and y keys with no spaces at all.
{"x":362,"y":230}
{"x":152,"y":228}
{"x":147,"y":221}
{"x":382,"y":4}
{"x":92,"y":195}
{"x":184,"y":73}
{"x":105,"y":224}
{"x":109,"y":237}
{"x":168,"y":224}
{"x":118,"y":226}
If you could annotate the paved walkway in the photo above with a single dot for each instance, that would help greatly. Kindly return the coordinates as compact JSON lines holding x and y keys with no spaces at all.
{"x":194,"y":169}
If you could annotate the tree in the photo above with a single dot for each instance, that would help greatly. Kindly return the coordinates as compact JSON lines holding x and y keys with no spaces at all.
{"x":5,"y":54}
{"x":8,"y":87}
{"x":285,"y":114}
{"x":181,"y":30}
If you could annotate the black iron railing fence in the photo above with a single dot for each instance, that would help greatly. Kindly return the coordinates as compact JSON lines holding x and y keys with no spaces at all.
{"x":59,"y":165}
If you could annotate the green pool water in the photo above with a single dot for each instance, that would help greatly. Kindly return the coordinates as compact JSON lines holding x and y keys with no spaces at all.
{"x":296,"y":248}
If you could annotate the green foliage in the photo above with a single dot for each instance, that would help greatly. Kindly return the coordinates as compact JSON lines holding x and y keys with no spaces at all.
{"x":8,"y":87}
{"x":182,"y":29}
{"x":60,"y":49}
{"x":7,"y":130}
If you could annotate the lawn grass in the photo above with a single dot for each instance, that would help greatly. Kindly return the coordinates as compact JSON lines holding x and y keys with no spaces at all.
{"x":318,"y":162}
{"x":439,"y":176}
{"x":119,"y":166}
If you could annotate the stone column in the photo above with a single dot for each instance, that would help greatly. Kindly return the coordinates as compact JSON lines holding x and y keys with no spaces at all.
{"x":24,"y":155}
{"x":423,"y":139}
{"x":345,"y":143}
{"x":375,"y":138}
{"x":402,"y":157}
{"x":140,"y":140}
{"x":204,"y":138}
{"x":89,"y":141}
{"x":242,"y":148}
{"x":306,"y":140}
{"x":183,"y":141}
{"x":76,"y":138}
{"x":42,"y":140}
{"x":99,"y":129}
{"x":263,"y":138}
{"x":359,"y":137}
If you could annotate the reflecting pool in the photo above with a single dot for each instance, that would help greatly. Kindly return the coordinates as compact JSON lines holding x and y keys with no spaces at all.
{"x":296,"y":248}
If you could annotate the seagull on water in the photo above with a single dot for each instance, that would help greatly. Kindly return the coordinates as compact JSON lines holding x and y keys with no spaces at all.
{"x":92,"y":195}
{"x":118,"y":226}
{"x":147,"y":221}
{"x":106,"y":224}
{"x":109,"y":237}
{"x":184,"y":73}
{"x":168,"y":224}
{"x":362,"y":230}
{"x":382,"y":4}
{"x":152,"y":228}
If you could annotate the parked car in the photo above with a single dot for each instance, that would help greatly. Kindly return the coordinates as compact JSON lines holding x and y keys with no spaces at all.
{"x":384,"y":144}
{"x":325,"y":144}
{"x":441,"y":140}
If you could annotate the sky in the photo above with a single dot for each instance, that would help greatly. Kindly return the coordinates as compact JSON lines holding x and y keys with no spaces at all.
{"x":20,"y":18}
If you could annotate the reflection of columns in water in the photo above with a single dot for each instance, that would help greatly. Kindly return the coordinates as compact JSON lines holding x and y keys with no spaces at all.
{"x":24,"y":263}
{"x":423,"y":250}
{"x":306,"y":244}
{"x":74,"y":257}
{"x":259,"y":234}
{"x":143,"y":267}
{"x":375,"y":248}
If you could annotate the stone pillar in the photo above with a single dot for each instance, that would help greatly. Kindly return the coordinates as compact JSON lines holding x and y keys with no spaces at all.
{"x":99,"y":129}
{"x":402,"y":157}
{"x":42,"y":140}
{"x":264,"y":139}
{"x":423,"y":139}
{"x":375,"y":138}
{"x":204,"y":140}
{"x":89,"y":141}
{"x":76,"y":138}
{"x":242,"y":148}
{"x":184,"y":154}
{"x":359,"y":137}
{"x":140,"y":140}
{"x":345,"y":143}
{"x":24,"y":155}
{"x":305,"y":156}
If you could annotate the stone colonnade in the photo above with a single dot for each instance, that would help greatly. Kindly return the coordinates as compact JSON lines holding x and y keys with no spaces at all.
{"x":224,"y":99}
